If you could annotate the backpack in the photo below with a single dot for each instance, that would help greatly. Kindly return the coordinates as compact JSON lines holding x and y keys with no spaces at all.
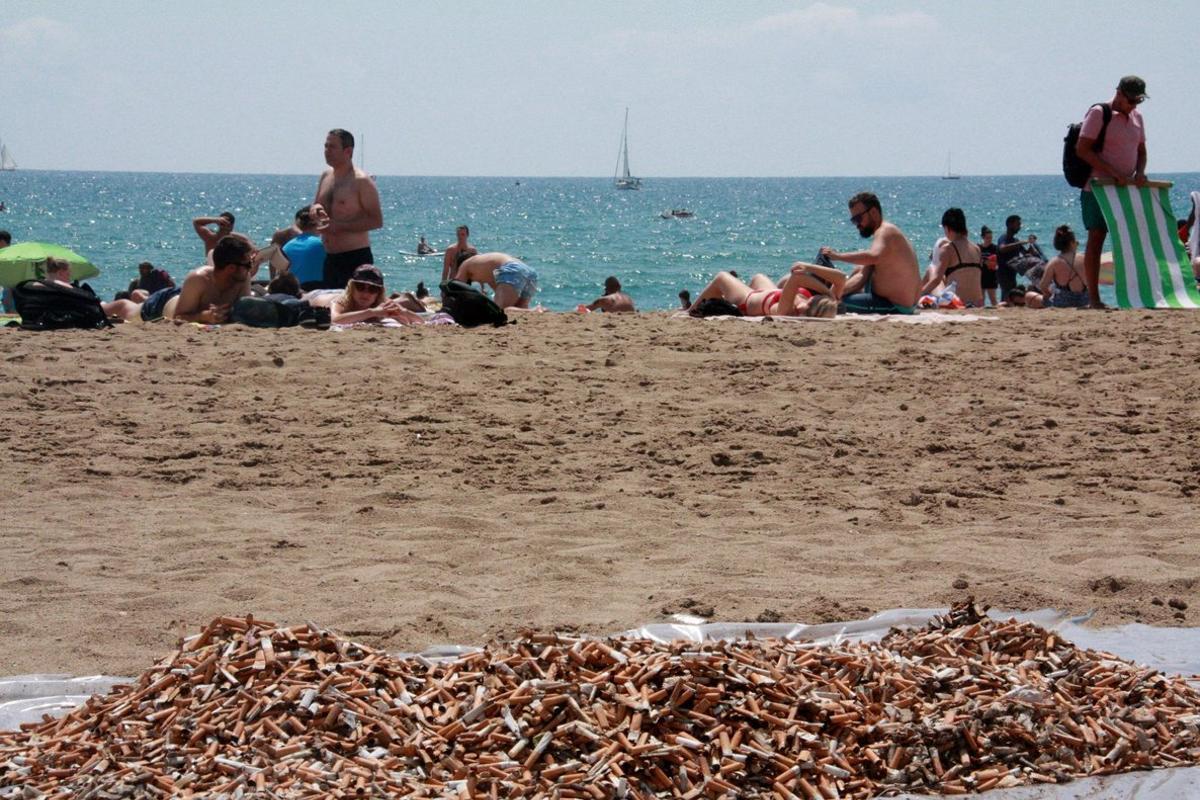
{"x":1075,"y":169}
{"x":470,"y":307}
{"x":715,"y":307}
{"x":46,"y":306}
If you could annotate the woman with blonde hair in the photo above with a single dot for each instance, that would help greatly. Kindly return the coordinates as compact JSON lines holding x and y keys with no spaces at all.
{"x":364,"y":300}
{"x":809,"y":290}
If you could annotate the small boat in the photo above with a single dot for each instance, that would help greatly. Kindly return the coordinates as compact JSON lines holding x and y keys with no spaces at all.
{"x":677,"y":213}
{"x":621,"y":177}
{"x":949,"y":176}
{"x":6,"y":160}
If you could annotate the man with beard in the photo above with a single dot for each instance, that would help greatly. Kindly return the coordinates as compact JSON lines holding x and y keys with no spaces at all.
{"x":886,"y":278}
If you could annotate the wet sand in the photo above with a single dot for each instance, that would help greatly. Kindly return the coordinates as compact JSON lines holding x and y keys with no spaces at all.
{"x":422,"y":486}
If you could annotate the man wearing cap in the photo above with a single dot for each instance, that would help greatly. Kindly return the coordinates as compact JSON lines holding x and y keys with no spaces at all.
{"x":1122,"y":159}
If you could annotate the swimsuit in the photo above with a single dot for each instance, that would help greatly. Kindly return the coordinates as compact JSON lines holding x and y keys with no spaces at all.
{"x":152,"y":309}
{"x":339,"y":267}
{"x":1065,"y":296}
{"x":960,"y":264}
{"x":520,"y":276}
{"x":770,"y":298}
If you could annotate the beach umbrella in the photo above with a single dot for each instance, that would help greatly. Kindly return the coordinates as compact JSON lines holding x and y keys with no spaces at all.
{"x":27,"y":261}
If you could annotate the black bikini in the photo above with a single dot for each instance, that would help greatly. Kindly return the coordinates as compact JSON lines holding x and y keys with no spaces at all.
{"x":960,"y":264}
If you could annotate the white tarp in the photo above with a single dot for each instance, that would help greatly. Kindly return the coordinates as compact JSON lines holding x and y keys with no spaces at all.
{"x":25,"y":698}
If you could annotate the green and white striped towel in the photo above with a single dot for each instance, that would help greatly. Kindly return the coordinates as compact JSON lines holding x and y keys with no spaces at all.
{"x":1151,"y":269}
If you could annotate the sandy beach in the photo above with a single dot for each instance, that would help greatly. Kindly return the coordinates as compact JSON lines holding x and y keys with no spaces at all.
{"x":423,"y":486}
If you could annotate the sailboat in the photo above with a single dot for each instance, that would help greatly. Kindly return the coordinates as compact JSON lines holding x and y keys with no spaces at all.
{"x":6,"y":160}
{"x":949,"y":176}
{"x":621,"y":177}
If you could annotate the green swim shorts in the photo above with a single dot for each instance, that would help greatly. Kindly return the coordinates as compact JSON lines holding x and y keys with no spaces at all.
{"x":1093,"y":219}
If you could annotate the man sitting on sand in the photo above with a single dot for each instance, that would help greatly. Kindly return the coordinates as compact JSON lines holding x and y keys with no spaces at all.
{"x":886,"y":278}
{"x":514,"y":282}
{"x":208,"y":292}
{"x":614,"y":300}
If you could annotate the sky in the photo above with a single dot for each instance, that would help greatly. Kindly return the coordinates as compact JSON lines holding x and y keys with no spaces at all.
{"x":756,"y":88}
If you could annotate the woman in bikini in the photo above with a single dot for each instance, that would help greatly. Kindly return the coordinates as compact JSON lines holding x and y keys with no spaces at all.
{"x":1062,"y":283}
{"x":958,"y":259}
{"x":808,"y":290}
{"x":364,"y":300}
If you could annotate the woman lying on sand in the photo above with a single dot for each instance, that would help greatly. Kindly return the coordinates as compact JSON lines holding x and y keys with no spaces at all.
{"x":364,"y":300}
{"x":808,"y":290}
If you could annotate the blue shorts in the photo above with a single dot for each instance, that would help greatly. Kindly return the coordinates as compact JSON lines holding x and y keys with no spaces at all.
{"x":152,"y":309}
{"x":519,"y":276}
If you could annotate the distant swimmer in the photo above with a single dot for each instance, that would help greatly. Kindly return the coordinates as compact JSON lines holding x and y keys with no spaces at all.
{"x":514,"y":281}
{"x":211,"y":229}
{"x":886,"y":277}
{"x":424,"y":248}
{"x":614,"y":301}
{"x":351,"y":199}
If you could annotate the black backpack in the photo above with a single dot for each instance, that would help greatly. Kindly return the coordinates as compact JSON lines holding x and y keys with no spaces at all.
{"x":1075,"y":169}
{"x":48,"y":305}
{"x":715,"y":307}
{"x":470,"y":307}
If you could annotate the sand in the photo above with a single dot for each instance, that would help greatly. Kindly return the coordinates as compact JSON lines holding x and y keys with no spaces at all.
{"x":423,"y":486}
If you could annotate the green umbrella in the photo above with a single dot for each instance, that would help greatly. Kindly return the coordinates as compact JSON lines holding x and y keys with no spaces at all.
{"x":27,"y":261}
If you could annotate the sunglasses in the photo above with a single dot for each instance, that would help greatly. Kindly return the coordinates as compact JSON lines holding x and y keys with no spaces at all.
{"x":1133,"y":99}
{"x":859,"y":217}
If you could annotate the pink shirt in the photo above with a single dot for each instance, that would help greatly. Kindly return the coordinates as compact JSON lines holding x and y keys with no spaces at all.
{"x":1121,"y":142}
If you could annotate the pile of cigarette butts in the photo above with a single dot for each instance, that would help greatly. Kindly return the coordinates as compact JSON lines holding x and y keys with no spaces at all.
{"x":965,"y":704}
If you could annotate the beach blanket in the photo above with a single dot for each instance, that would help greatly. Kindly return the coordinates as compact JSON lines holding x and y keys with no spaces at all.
{"x":1150,"y":265}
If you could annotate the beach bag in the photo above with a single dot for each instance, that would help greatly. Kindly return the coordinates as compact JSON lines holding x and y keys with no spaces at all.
{"x":47,"y":306}
{"x":715,"y":307}
{"x":1075,"y":169}
{"x":471,"y":307}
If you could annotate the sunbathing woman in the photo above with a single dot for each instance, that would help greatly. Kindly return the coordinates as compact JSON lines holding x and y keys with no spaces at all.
{"x":809,"y":290}
{"x":364,"y":300}
{"x":1062,"y":283}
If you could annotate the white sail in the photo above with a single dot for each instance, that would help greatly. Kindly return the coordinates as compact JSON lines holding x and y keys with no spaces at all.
{"x":6,"y":160}
{"x":622,"y":179}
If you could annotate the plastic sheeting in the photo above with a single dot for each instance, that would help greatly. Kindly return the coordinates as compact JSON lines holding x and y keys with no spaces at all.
{"x":25,"y":698}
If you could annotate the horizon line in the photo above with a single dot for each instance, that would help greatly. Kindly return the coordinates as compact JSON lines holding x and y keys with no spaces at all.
{"x":585,"y":177}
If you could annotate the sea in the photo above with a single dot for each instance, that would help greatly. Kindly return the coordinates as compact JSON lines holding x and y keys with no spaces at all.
{"x":574,"y":231}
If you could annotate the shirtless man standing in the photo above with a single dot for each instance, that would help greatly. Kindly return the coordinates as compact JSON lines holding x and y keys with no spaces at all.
{"x":515,"y":283}
{"x":886,"y":278}
{"x":457,"y":253}
{"x":614,"y":300}
{"x":352,"y":202}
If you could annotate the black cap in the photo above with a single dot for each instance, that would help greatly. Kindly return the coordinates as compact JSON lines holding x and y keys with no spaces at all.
{"x":1134,"y":87}
{"x":369,"y":274}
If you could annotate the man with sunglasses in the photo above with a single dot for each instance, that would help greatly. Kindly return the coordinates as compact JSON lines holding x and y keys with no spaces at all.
{"x":1121,"y":158}
{"x":886,"y":278}
{"x":208,"y":293}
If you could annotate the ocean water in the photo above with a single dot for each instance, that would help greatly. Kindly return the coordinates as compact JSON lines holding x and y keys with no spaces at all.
{"x":574,"y":231}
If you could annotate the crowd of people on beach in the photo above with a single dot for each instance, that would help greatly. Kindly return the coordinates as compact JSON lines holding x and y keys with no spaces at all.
{"x":322,"y":270}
